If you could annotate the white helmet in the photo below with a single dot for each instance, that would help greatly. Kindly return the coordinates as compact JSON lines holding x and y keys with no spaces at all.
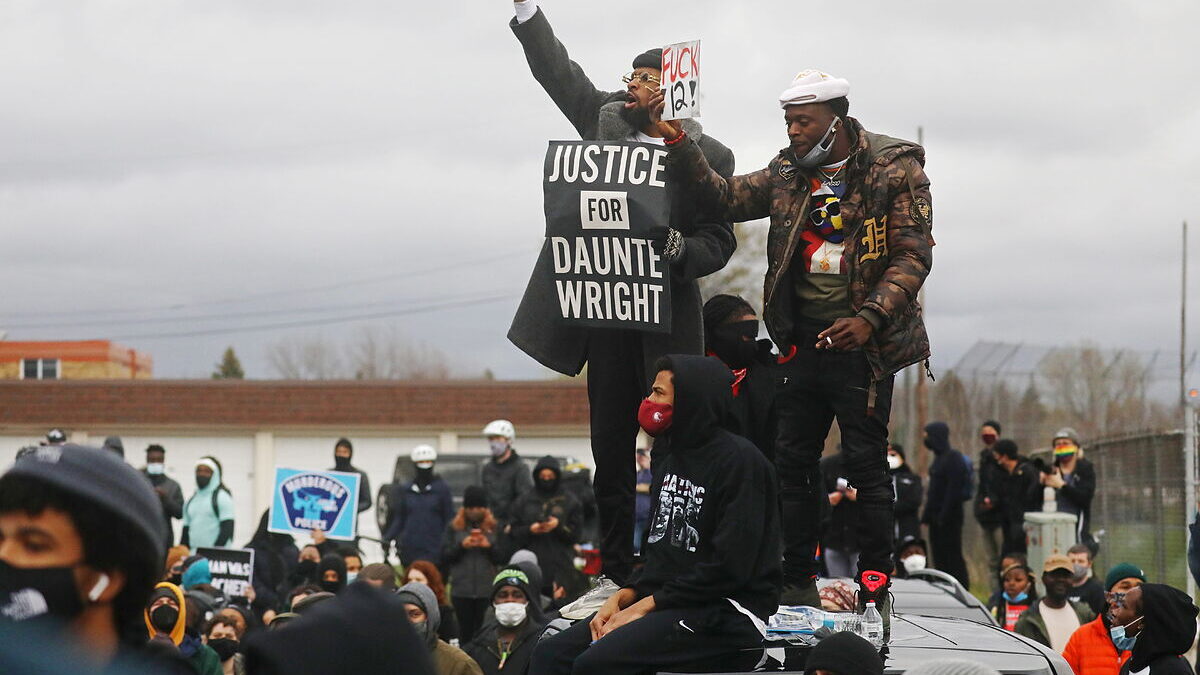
{"x":501,"y":428}
{"x":424,"y":453}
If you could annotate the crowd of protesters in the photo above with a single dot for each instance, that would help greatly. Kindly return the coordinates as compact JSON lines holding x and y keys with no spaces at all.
{"x":731,"y":506}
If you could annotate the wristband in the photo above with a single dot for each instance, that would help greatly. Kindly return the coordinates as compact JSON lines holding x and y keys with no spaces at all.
{"x":677,"y":139}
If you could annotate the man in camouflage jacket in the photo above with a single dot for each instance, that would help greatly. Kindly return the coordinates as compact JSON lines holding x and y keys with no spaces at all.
{"x":845,"y":326}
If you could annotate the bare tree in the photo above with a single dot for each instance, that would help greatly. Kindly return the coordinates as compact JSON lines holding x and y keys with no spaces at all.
{"x":1101,"y":394}
{"x":372,"y":353}
{"x":743,"y":274}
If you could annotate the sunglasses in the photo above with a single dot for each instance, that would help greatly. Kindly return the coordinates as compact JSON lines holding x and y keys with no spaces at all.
{"x":641,"y":78}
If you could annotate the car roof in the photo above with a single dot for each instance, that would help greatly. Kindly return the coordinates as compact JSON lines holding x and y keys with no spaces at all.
{"x":919,"y":639}
{"x":935,"y":597}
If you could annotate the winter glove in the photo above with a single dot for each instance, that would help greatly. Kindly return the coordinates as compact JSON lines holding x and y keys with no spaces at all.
{"x":666,"y":241}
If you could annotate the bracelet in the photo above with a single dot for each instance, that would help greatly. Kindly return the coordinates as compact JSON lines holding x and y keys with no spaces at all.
{"x":682,"y":135}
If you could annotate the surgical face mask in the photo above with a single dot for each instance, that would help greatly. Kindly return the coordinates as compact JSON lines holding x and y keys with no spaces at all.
{"x":155,"y":469}
{"x":498,"y":447}
{"x":164,"y":617}
{"x":510,"y":614}
{"x":913,"y":563}
{"x":819,"y":152}
{"x":894,"y":462}
{"x":1017,"y":599}
{"x":425,"y":465}
{"x":1081,"y":571}
{"x":31,"y":592}
{"x":351,"y":576}
{"x":1123,"y":642}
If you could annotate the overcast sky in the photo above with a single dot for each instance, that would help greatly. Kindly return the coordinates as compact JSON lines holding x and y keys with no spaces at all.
{"x":304,"y":168}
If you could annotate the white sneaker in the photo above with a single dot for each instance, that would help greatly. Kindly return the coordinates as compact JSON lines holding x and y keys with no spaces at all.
{"x":589,"y":603}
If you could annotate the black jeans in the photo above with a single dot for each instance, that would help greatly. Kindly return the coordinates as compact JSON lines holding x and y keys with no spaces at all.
{"x":816,"y":387}
{"x":616,"y":386}
{"x":672,"y":639}
{"x":945,"y":542}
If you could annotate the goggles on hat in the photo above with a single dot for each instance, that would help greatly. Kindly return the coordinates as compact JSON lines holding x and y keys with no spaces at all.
{"x":510,"y":575}
{"x":642,"y":78}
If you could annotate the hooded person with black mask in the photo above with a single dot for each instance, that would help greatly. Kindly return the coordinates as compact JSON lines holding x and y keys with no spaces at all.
{"x":331,"y":573}
{"x":712,"y":574}
{"x":166,"y":619}
{"x":1158,"y":623}
{"x":948,"y":480}
{"x":425,"y":616}
{"x":420,"y":510}
{"x":730,"y":332}
{"x":343,"y":452}
{"x":548,"y":521}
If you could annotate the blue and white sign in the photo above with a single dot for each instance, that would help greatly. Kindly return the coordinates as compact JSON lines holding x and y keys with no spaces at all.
{"x":320,"y":500}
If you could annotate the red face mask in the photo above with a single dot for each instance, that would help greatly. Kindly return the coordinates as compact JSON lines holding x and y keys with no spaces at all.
{"x":655,"y":418}
{"x":988,"y":439}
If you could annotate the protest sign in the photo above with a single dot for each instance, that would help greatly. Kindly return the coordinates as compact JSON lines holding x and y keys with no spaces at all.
{"x":602,"y":199}
{"x":232,"y":568}
{"x":681,"y":80}
{"x":306,"y":500}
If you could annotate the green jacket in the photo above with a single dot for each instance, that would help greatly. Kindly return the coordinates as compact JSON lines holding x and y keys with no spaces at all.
{"x":888,"y":248}
{"x":206,"y":662}
{"x":1033,"y":626}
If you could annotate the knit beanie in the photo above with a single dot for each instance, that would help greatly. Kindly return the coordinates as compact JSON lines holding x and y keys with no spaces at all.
{"x":651,"y":58}
{"x":474,"y":496}
{"x":845,"y":654}
{"x":951,"y":667}
{"x":1122,"y":571}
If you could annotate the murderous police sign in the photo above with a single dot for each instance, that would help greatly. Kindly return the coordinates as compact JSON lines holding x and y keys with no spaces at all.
{"x":601,"y":200}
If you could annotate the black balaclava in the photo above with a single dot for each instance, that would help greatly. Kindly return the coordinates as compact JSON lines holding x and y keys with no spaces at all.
{"x":424,"y":477}
{"x":545,"y":487}
{"x":734,"y":343}
{"x":332,"y":561}
{"x":342,"y":463}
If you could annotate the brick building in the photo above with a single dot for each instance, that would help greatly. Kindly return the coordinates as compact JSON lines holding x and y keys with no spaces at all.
{"x":72,"y":360}
{"x":252,"y":426}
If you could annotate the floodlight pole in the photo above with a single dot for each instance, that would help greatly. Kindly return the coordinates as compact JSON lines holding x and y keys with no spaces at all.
{"x":921,"y":396}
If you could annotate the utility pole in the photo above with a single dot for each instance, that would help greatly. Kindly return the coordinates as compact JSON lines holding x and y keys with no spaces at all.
{"x":920,"y":395}
{"x":1183,"y":322}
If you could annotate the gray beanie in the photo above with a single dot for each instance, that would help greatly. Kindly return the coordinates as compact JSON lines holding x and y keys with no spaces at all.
{"x":101,"y":477}
{"x":419,"y":594}
{"x":951,"y":667}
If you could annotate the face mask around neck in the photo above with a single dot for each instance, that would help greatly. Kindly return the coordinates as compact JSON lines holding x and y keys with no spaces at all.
{"x":819,"y":152}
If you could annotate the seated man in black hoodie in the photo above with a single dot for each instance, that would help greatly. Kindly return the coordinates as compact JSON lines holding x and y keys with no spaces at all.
{"x":712,"y":572}
{"x":1158,"y":623}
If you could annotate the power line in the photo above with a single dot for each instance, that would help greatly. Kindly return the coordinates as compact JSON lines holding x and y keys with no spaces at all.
{"x":441,"y":267}
{"x":207,"y":317}
{"x":318,"y":322}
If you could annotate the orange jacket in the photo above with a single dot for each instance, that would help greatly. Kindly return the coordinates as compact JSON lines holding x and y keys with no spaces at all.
{"x":1090,"y":651}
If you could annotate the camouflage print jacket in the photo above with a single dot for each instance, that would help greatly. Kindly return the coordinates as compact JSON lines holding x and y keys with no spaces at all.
{"x":888,"y":220}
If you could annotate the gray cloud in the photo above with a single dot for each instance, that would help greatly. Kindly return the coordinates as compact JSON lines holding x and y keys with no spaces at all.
{"x":185,"y":155}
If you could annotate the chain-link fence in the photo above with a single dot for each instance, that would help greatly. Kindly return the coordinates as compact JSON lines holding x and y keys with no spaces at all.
{"x":1139,"y":512}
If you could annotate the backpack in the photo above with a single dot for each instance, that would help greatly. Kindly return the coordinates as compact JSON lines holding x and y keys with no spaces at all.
{"x":968,"y":489}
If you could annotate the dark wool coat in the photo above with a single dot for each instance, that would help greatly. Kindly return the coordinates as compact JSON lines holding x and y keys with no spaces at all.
{"x":537,"y":328}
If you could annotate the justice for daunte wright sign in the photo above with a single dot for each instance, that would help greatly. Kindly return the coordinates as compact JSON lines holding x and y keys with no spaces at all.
{"x":602,"y":201}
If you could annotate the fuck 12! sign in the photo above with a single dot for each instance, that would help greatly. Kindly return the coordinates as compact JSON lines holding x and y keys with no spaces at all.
{"x":681,"y":80}
{"x":601,"y":200}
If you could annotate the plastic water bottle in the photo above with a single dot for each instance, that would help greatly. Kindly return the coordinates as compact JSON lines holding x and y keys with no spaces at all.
{"x":872,"y":625}
{"x":796,"y":619}
{"x":813,"y":621}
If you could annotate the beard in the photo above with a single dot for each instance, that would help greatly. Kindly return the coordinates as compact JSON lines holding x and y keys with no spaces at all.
{"x":637,"y":117}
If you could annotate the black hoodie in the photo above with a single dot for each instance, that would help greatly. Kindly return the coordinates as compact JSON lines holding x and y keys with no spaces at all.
{"x":335,"y":562}
{"x":714,"y":531}
{"x":555,"y":549}
{"x":1167,"y":632}
{"x":948,"y":477}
